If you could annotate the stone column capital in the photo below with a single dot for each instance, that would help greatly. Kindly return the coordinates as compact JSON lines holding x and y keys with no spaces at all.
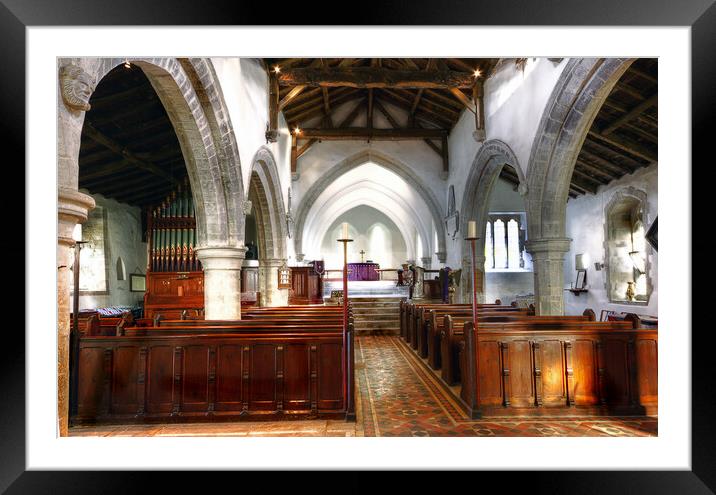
{"x":72,"y":208}
{"x":442,"y":256}
{"x":271,"y":262}
{"x":222,"y":257}
{"x":545,"y":246}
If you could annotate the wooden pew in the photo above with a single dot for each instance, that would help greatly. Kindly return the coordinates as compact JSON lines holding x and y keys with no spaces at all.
{"x":451,"y":335}
{"x":423,"y":328}
{"x":417,"y":324}
{"x":293,"y":363}
{"x":409,"y":312}
{"x":433,"y":347}
{"x":584,"y":368}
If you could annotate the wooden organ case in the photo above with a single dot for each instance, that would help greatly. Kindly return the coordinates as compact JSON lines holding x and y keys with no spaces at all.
{"x":175,"y":280}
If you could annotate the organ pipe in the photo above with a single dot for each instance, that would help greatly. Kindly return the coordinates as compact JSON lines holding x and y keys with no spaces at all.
{"x":173,"y":233}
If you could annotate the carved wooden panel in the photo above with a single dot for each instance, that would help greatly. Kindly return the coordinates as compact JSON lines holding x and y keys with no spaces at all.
{"x":195,"y":378}
{"x":586,"y":385}
{"x":91,"y":374}
{"x":522,"y":392}
{"x":647,"y":367}
{"x":297,"y":377}
{"x":330,"y":376}
{"x":617,"y":371}
{"x":490,"y":372}
{"x":263,"y":377}
{"x":160,"y":379}
{"x":553,"y":373}
{"x":125,"y":377}
{"x":228,"y":378}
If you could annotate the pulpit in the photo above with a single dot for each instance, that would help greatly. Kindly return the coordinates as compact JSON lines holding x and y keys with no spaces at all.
{"x":363,"y":271}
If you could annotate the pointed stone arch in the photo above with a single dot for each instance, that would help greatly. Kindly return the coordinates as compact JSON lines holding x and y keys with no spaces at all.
{"x":385,"y":161}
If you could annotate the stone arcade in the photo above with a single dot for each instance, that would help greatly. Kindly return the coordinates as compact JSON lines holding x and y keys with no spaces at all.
{"x":220,"y":187}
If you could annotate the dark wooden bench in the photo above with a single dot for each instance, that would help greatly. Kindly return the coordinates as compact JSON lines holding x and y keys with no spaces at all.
{"x":582,"y":368}
{"x":451,"y":335}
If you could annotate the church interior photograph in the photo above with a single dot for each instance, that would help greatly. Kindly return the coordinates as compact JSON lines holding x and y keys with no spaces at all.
{"x":357,"y":247}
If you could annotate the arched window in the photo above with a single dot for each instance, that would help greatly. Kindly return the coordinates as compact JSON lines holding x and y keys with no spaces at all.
{"x":627,"y":270}
{"x":505,"y":237}
{"x":121,"y":270}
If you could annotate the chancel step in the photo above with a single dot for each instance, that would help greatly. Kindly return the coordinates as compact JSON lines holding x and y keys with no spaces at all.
{"x":376,"y":315}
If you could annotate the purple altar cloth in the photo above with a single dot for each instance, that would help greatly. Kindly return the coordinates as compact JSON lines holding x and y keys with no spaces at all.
{"x":363,"y":271}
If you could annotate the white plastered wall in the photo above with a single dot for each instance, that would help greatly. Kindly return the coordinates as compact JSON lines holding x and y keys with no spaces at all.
{"x":585,"y":226}
{"x":514,"y":102}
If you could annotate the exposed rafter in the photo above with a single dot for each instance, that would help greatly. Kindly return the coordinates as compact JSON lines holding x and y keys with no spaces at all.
{"x":373,"y":77}
{"x":92,"y":133}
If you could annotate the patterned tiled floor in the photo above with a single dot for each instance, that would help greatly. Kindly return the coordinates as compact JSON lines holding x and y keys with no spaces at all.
{"x":400,"y":397}
{"x":395,"y":396}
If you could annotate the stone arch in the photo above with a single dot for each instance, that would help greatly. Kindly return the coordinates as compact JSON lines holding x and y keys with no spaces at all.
{"x":489,"y":160}
{"x":191,"y":95}
{"x":356,"y":160}
{"x":192,"y":98}
{"x":578,"y":95}
{"x":267,"y":198}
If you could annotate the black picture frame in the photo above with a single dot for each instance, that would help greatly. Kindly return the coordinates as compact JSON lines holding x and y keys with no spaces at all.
{"x":137,"y":282}
{"x":700,"y":15}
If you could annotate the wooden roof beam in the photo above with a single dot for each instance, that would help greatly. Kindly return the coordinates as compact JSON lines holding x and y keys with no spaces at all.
{"x":375,"y":77}
{"x":92,"y":133}
{"x":631,"y":115}
{"x":348,"y":120}
{"x":627,"y":145}
{"x":365,"y":133}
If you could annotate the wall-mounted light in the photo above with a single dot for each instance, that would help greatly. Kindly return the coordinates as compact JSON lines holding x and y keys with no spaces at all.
{"x":297,"y":131}
{"x":277,"y":69}
{"x":127,"y":64}
{"x":581,"y":261}
{"x":598,"y":266}
{"x":477,"y":73}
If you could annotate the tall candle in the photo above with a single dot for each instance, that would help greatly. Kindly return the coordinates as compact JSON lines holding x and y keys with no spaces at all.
{"x":471,"y":229}
{"x":345,"y":230}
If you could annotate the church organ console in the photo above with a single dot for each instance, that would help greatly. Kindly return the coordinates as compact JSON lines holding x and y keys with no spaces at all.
{"x":175,"y":280}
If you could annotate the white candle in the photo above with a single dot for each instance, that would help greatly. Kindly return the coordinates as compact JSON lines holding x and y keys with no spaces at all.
{"x":345,"y":230}
{"x":471,"y":229}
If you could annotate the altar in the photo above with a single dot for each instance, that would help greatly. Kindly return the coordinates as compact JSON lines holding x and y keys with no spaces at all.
{"x":366,"y":271}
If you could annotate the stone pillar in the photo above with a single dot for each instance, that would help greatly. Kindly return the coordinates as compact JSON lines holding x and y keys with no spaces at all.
{"x":548,"y":264}
{"x":222,"y":281}
{"x":271,"y":295}
{"x":72,"y":208}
